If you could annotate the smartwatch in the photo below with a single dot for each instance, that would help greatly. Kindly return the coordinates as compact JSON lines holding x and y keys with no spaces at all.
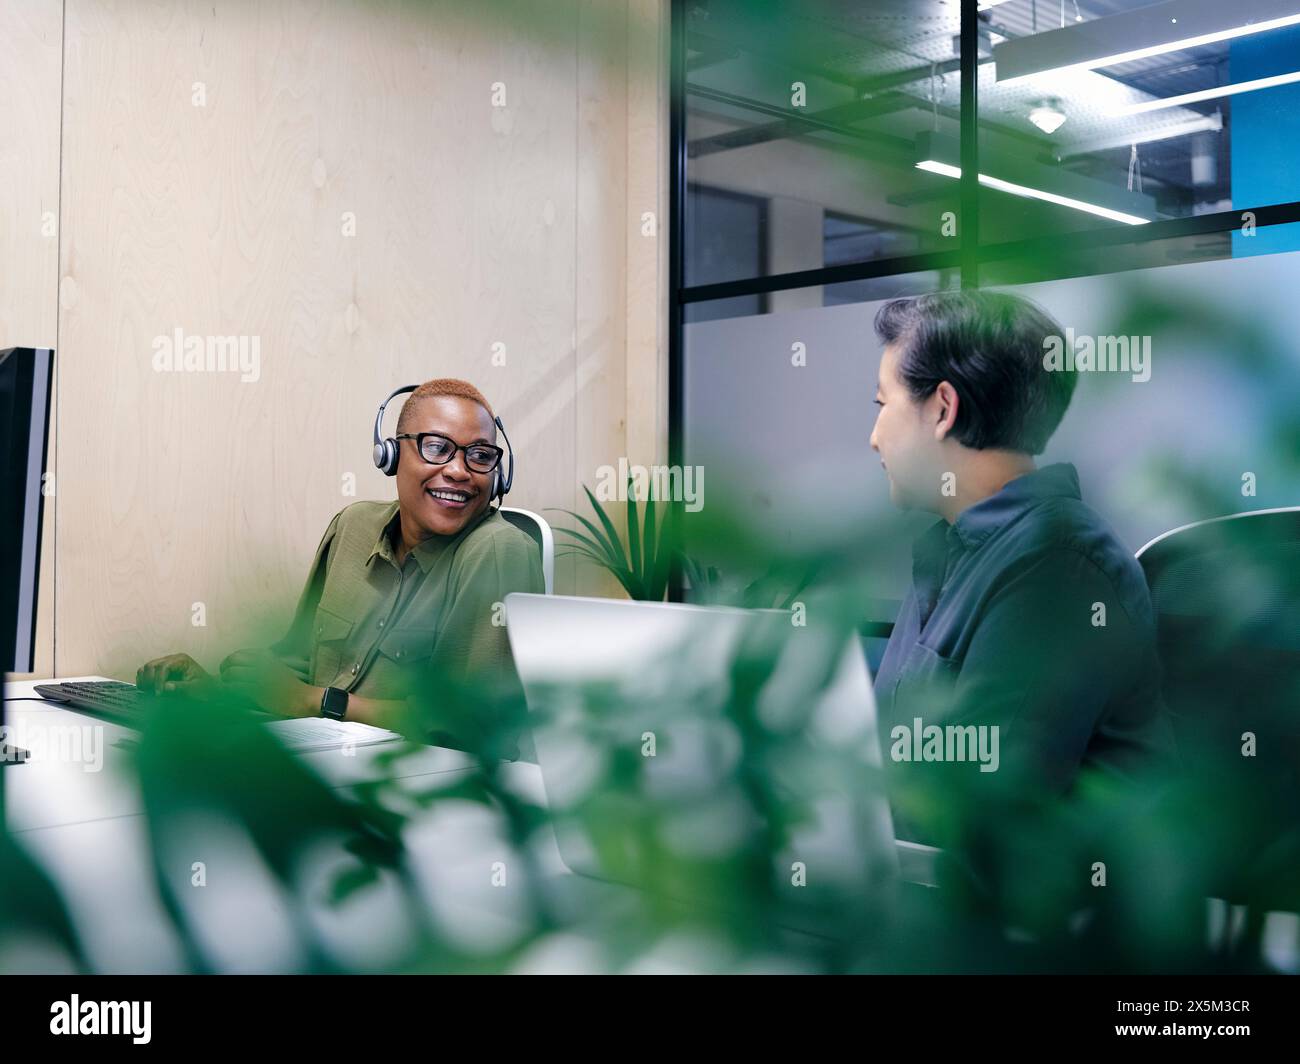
{"x":334,"y":703}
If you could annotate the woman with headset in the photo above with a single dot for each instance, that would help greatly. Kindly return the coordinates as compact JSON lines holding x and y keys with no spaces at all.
{"x":400,"y":621}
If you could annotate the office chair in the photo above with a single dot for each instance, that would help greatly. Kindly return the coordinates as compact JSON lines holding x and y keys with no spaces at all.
{"x":1226,"y":594}
{"x":540,"y":532}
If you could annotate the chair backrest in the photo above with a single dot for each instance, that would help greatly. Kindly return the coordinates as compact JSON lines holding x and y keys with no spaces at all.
{"x":540,"y":533}
{"x":1226,"y":594}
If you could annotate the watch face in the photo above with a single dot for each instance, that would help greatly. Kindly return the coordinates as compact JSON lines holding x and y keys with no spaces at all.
{"x":334,"y":704}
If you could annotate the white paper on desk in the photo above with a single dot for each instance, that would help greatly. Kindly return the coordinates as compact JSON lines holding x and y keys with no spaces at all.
{"x":305,"y":734}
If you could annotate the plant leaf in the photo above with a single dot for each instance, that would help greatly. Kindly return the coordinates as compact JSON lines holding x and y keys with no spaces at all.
{"x":608,"y":525}
{"x":635,"y":561}
{"x":613,"y":554}
{"x":597,"y":549}
{"x":664,"y":555}
{"x":650,"y":545}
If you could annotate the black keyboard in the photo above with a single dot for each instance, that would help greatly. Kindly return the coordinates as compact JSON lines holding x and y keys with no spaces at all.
{"x":122,"y":703}
{"x":116,"y":701}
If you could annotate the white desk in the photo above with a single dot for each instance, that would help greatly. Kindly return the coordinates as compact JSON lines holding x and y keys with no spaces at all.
{"x":86,"y":828}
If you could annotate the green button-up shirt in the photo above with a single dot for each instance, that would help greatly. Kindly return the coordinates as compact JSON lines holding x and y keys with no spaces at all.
{"x":370,"y":626}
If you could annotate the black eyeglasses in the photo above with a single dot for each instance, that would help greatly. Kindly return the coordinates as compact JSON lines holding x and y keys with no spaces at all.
{"x":437,"y":449}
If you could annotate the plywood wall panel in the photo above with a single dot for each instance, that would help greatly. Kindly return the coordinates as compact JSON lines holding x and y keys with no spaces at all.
{"x":216,"y":156}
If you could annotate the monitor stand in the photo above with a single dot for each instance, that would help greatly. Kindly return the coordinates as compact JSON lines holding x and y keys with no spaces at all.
{"x":9,"y":755}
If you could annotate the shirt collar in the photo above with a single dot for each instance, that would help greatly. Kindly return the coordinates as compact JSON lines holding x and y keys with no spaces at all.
{"x":425,"y":553}
{"x":976,"y":523}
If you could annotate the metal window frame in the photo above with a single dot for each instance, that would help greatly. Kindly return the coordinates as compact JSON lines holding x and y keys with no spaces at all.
{"x":763,"y":209}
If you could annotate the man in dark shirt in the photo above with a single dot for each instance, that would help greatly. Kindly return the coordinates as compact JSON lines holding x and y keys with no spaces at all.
{"x":1026,"y":643}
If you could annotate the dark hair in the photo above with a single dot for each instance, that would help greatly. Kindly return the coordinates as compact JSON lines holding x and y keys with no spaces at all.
{"x":990,"y":347}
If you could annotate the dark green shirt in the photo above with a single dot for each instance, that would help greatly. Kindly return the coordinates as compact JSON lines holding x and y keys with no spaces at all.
{"x":1001,"y":629}
{"x":369,"y":626}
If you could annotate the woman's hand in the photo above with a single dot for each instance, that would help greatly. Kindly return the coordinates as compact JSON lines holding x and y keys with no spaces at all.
{"x":170,"y":673}
{"x":266,"y":680}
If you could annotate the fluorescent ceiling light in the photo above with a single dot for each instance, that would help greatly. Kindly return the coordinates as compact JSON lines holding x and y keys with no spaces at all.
{"x":1207,"y":94}
{"x":1171,"y":26}
{"x":1201,"y":124}
{"x":984,"y":5}
{"x":947,"y":170}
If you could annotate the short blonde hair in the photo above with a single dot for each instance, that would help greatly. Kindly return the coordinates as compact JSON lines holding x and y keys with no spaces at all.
{"x":451,"y":386}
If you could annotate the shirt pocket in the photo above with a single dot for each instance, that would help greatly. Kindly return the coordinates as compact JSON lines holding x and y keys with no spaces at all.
{"x":330,"y":644}
{"x":401,"y":666}
{"x":926,"y":683}
{"x":407,"y":646}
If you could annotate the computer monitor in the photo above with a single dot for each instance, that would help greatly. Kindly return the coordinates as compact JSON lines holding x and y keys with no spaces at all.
{"x":26,"y":376}
{"x":600,"y":674}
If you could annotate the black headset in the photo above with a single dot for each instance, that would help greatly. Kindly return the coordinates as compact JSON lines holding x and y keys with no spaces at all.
{"x":387,"y":452}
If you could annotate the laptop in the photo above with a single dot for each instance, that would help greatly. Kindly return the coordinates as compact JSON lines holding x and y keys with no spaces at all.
{"x":618,"y":689}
